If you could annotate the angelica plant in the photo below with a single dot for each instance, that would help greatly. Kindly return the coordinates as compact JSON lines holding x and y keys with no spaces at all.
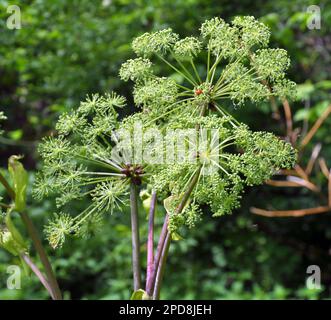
{"x":190,"y":151}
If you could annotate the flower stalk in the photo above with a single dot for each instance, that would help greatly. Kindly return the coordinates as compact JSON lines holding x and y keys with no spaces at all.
{"x":151,"y":279}
{"x":135,"y":237}
{"x":38,"y":274}
{"x":150,"y":241}
{"x":161,"y":268}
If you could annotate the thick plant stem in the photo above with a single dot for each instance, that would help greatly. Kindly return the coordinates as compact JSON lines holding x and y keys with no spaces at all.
{"x":151,"y":279}
{"x":160,"y":271}
{"x":150,"y":240}
{"x":37,"y":244}
{"x":38,"y":273}
{"x":135,"y":238}
{"x":167,"y":237}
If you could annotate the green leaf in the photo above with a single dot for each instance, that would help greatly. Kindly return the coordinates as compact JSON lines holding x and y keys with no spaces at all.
{"x":17,"y":237}
{"x":12,"y":241}
{"x":299,"y":19}
{"x":313,"y":113}
{"x":302,"y":114}
{"x":168,"y":204}
{"x":176,"y":236}
{"x":16,"y":134}
{"x":140,"y":295}
{"x":20,"y":181}
{"x":305,"y":90}
{"x":10,"y":237}
{"x":324,"y":85}
{"x":7,"y":241}
{"x":320,"y":107}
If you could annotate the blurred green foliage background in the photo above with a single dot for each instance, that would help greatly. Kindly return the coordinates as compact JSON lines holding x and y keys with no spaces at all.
{"x":68,"y":49}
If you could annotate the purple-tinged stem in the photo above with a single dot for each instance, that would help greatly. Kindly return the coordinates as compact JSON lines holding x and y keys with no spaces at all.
{"x":167,"y":237}
{"x":135,"y":238}
{"x":150,"y":239}
{"x":160,"y":271}
{"x":163,"y":235}
{"x":38,"y":273}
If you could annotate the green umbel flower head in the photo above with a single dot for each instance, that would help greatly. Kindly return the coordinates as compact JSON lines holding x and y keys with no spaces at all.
{"x":239,"y":69}
{"x":78,"y":163}
{"x":239,"y":65}
{"x":184,"y":142}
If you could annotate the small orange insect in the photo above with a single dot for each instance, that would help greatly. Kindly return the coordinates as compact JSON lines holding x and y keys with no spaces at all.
{"x":198,"y":92}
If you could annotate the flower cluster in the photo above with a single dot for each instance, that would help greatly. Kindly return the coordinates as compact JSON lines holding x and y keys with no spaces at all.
{"x":155,"y":92}
{"x":240,"y":157}
{"x":150,"y":43}
{"x":239,"y":68}
{"x":80,"y":161}
{"x":239,"y":65}
{"x":136,"y":69}
{"x":271,"y":64}
{"x":187,"y":48}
